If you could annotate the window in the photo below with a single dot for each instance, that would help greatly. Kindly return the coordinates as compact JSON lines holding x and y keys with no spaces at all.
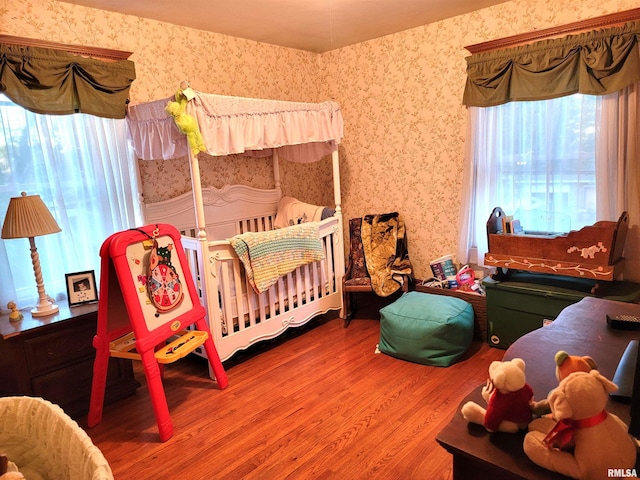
{"x":85,"y":171}
{"x":543,"y":162}
{"x":542,"y":156}
{"x":558,"y":164}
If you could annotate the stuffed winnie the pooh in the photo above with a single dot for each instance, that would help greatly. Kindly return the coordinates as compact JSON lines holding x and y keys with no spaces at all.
{"x":565,"y":365}
{"x":582,"y":440}
{"x":508,"y":398}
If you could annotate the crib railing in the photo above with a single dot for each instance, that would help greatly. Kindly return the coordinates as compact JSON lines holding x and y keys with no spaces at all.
{"x":237,"y":315}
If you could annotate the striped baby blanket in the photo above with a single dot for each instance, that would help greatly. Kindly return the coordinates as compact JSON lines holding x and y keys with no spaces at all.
{"x":267,"y":256}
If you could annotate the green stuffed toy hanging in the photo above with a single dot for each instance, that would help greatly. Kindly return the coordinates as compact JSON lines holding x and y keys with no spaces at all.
{"x":185,"y":122}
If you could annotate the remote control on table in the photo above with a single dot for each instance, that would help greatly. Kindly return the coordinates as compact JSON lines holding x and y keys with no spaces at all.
{"x":623,"y":322}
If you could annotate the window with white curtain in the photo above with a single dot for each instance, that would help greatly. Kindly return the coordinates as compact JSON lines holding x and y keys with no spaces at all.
{"x":86,"y":173}
{"x":535,"y":160}
{"x":541,"y":156}
{"x":556,"y":165}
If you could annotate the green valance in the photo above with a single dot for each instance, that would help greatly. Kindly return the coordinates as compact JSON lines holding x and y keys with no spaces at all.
{"x":596,"y":63}
{"x":50,"y":81}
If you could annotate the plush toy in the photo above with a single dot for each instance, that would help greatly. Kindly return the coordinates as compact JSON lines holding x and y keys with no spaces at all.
{"x":508,"y":398}
{"x":186,"y":123}
{"x":565,"y":365}
{"x":15,"y":314}
{"x":582,"y":440}
{"x":8,"y":470}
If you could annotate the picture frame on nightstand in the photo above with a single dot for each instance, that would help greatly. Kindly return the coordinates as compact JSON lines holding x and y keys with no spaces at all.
{"x":81,"y":288}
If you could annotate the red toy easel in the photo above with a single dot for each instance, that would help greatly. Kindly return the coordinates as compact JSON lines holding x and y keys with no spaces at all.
{"x":131,"y":326}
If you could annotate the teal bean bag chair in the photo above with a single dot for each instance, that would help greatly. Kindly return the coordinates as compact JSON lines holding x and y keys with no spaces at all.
{"x":426,"y":328}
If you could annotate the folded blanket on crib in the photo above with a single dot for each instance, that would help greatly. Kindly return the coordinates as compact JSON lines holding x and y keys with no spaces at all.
{"x":294,"y":212}
{"x":267,"y":256}
{"x":385,"y":252}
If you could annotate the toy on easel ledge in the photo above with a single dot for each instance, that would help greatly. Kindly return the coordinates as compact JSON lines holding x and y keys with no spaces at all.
{"x":15,"y":314}
{"x":582,"y":440}
{"x":508,"y":398}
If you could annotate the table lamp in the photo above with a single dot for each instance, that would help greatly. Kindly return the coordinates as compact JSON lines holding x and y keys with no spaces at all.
{"x":28,"y":217}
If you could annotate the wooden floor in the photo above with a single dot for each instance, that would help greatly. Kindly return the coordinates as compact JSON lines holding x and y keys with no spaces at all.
{"x":318,"y":404}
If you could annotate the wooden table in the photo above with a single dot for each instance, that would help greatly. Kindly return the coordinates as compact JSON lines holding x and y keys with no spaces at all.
{"x":580,"y":329}
{"x":52,"y":357}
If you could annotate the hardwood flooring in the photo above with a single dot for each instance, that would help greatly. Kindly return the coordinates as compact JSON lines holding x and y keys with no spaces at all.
{"x":318,"y":403}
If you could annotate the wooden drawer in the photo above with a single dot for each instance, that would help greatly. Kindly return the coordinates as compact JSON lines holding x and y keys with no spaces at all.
{"x":63,"y":346}
{"x":52,"y":357}
{"x":70,"y":387}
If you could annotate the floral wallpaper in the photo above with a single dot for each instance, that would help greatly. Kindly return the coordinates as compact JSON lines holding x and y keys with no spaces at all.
{"x":400,"y":95}
{"x":405,"y":126}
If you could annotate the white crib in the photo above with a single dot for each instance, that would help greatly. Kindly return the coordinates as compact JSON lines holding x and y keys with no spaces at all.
{"x":207,"y":217}
{"x":237,"y":315}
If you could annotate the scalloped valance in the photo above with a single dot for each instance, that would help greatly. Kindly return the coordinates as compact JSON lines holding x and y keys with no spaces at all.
{"x":56,"y":82}
{"x":302,"y":132}
{"x":598,"y":62}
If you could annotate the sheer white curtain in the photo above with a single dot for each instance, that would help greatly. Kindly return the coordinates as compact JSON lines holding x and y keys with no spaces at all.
{"x":618,"y":167}
{"x":553,"y":163}
{"x":86,"y":172}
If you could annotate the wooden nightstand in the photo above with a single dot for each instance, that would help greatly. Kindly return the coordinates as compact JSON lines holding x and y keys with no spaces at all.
{"x":52,"y":357}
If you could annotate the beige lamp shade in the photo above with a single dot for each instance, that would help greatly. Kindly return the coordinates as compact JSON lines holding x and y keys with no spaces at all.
{"x":28,"y":216}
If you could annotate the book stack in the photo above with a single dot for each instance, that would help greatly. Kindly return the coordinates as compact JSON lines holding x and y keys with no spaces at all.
{"x":511,"y":225}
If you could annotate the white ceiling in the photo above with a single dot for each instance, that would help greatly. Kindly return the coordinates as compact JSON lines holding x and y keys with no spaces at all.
{"x":313,"y":25}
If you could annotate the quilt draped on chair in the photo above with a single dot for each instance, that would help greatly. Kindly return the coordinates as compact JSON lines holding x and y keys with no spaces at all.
{"x":385,"y":251}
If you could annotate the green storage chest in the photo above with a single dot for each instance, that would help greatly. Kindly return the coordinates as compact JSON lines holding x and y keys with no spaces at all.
{"x":525,"y":301}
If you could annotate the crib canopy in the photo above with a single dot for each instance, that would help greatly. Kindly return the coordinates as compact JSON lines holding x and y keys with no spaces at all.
{"x":302,"y":132}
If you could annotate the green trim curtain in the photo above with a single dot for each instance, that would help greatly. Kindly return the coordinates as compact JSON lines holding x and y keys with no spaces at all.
{"x":596,"y":63}
{"x":55,"y":82}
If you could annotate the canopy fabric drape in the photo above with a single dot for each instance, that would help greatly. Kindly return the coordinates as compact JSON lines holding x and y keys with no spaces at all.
{"x":55,"y":82}
{"x":598,"y":62}
{"x":302,"y":132}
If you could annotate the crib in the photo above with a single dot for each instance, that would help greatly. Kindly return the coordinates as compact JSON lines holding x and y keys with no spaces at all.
{"x":208,"y":217}
{"x":238,"y":316}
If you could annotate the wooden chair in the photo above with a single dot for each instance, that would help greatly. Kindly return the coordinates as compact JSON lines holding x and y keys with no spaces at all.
{"x":356,"y":278}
